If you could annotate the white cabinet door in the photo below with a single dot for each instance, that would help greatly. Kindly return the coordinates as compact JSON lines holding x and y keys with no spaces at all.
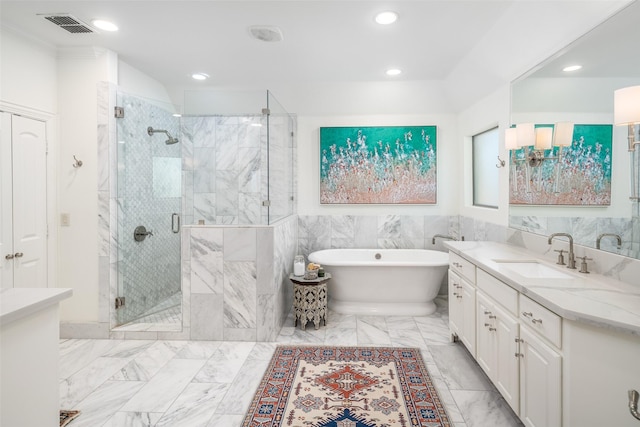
{"x":469,"y":316}
{"x":496,"y":348}
{"x":462,"y":311}
{"x":507,"y":371}
{"x":455,"y":303}
{"x":486,"y":344}
{"x":540,"y":382}
{"x":24,"y":205}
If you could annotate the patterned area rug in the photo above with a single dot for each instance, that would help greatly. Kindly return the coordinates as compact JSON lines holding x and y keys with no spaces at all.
{"x":67,"y":416}
{"x":346,"y":387}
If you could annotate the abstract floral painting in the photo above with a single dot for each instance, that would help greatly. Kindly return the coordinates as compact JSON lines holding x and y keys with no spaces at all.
{"x":577,"y":175}
{"x":378,"y":165}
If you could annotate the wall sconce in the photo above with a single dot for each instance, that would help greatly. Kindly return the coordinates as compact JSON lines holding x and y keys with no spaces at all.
{"x":525,"y":135}
{"x":626,"y":111}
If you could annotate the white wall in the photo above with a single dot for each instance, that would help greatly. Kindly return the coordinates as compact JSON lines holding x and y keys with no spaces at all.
{"x":487,"y":113}
{"x":79,"y":71}
{"x":27,"y":73}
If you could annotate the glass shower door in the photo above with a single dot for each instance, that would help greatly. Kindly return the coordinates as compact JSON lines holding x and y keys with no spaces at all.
{"x":149,"y":204}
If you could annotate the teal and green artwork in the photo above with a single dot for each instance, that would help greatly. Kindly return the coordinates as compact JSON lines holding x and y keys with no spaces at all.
{"x":378,"y":165}
{"x":576,"y":175}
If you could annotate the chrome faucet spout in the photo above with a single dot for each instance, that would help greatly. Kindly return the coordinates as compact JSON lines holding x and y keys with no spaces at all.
{"x":571,"y":263}
{"x":618,"y":238}
{"x":441,"y":236}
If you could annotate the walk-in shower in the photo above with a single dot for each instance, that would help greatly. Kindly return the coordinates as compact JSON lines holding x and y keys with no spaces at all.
{"x":233,"y":168}
{"x":169,"y":141}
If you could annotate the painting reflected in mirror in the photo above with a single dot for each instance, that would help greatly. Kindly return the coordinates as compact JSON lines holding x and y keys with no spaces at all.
{"x":547,"y":94}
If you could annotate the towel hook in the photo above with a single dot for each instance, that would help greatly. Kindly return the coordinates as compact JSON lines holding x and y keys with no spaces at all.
{"x":78,"y":163}
{"x":500,"y":163}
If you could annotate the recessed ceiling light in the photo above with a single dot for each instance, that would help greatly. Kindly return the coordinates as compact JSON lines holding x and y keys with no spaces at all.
{"x":393,"y":72}
{"x":572,"y":68}
{"x":386,"y":18}
{"x":104,"y":25}
{"x":199,"y":76}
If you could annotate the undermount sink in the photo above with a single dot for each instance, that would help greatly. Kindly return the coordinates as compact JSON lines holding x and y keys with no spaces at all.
{"x":532,"y":269}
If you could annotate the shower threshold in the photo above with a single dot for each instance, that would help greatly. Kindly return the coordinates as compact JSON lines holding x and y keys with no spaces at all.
{"x":165,"y":317}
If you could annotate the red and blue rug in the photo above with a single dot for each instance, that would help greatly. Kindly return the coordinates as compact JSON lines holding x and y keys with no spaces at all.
{"x":346,"y":387}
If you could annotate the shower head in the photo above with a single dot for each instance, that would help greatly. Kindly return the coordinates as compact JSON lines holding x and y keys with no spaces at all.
{"x":169,"y":141}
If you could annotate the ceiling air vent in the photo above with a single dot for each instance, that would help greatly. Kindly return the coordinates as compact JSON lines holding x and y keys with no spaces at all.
{"x":69,"y":23}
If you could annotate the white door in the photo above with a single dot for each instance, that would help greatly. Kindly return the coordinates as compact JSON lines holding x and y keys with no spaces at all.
{"x":26,"y":243}
{"x":6,"y":216}
{"x":507,"y":370}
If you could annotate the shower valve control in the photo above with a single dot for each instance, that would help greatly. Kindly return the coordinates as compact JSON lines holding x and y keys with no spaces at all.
{"x":141,"y":233}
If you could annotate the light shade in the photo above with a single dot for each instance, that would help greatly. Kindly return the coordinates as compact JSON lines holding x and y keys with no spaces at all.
{"x":544,"y":136}
{"x":511,"y":139}
{"x":626,"y":106}
{"x":526,"y":134}
{"x":563,"y":134}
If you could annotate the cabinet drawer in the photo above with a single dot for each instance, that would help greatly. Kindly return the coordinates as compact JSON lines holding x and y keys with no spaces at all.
{"x":500,"y":292}
{"x":463,"y":267}
{"x":542,"y":320}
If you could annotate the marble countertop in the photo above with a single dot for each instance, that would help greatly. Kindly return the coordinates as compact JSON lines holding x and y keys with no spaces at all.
{"x":588,"y":298}
{"x":16,"y":303}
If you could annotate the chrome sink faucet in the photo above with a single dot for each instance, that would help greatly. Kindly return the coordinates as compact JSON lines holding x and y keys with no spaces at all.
{"x":571,"y":262}
{"x":610,"y":235}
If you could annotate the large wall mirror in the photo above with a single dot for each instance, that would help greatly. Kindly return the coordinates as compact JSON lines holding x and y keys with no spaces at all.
{"x":547,"y":95}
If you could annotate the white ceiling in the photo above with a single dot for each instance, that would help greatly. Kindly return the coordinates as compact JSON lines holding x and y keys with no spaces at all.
{"x":471,"y":46}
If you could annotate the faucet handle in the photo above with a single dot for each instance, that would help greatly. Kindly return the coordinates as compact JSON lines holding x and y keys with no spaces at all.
{"x":583,"y":264}
{"x":560,"y":256}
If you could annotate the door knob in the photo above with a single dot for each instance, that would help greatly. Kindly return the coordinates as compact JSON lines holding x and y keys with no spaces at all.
{"x":8,"y":256}
{"x":18,"y":254}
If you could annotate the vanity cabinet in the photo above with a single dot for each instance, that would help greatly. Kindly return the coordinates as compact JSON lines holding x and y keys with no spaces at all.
{"x":563,"y":354}
{"x":462,"y":301}
{"x":517,"y":344}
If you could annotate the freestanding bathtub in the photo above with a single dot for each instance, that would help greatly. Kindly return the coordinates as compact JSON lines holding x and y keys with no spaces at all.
{"x":388,"y":282}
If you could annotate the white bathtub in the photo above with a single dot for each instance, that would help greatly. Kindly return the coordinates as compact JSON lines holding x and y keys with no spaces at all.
{"x":387,"y":282}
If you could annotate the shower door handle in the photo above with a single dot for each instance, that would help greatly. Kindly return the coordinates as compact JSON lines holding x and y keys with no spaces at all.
{"x":175,"y":223}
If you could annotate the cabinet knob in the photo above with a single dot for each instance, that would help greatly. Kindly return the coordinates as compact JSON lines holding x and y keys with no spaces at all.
{"x":492,"y":329}
{"x":8,"y":256}
{"x":19,"y":255}
{"x":487,"y":324}
{"x":527,"y":314}
{"x":536,"y":320}
{"x":492,"y":317}
{"x":519,"y":355}
{"x":519,"y":340}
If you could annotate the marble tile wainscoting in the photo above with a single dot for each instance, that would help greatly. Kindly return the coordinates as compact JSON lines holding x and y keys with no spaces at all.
{"x":318,"y":232}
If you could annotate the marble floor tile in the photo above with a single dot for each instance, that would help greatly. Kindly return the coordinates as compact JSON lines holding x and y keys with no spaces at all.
{"x":78,"y":386}
{"x":458,"y":368}
{"x":103,"y":403}
{"x":195,"y":406}
{"x":159,"y":393}
{"x":144,"y":383}
{"x":484,"y":408}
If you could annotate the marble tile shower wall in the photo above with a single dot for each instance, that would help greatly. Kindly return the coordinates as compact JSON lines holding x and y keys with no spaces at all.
{"x":318,"y":232}
{"x":235,"y":281}
{"x":224,"y":170}
{"x":148,"y":195}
